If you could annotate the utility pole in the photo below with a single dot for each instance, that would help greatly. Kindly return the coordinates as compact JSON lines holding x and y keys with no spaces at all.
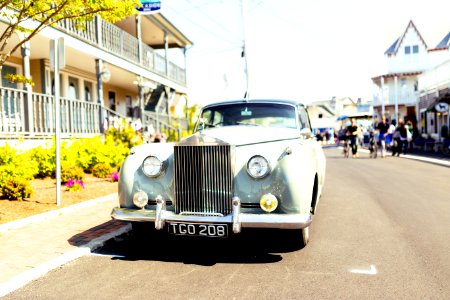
{"x":244,"y":48}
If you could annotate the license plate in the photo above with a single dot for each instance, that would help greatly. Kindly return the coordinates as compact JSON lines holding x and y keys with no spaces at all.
{"x":198,"y":229}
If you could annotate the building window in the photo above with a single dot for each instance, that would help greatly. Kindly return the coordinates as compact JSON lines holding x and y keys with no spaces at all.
{"x":320,"y":116}
{"x":112,"y":100}
{"x":416,"y":49}
{"x":88,"y":91}
{"x":407,"y":50}
{"x":129,"y":104}
{"x":73,"y":88}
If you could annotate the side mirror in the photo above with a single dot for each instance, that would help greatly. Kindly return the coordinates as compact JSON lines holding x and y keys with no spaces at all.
{"x":306,"y":133}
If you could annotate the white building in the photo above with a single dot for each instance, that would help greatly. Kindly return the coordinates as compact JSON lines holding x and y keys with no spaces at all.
{"x":396,"y":92}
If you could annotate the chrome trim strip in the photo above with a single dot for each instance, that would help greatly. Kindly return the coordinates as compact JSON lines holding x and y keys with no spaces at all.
{"x":160,"y":208}
{"x":236,"y":214}
{"x":266,"y":220}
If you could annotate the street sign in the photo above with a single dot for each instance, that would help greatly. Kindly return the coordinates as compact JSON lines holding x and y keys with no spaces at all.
{"x":441,"y":107}
{"x":149,"y":7}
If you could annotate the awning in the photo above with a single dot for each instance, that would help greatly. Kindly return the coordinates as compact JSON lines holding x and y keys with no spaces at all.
{"x":441,"y":104}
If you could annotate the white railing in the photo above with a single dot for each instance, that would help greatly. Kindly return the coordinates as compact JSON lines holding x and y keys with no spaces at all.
{"x":78,"y":117}
{"x":12,"y":111}
{"x":435,"y":79}
{"x":115,"y":40}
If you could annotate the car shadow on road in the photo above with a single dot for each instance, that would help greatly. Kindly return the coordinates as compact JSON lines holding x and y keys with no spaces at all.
{"x":249,"y":247}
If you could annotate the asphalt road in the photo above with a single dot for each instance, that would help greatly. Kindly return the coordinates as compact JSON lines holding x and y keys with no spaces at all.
{"x":382,"y":231}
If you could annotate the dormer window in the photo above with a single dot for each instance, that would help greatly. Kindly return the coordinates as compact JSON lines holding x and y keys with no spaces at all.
{"x":407,"y":50}
{"x":415,"y":49}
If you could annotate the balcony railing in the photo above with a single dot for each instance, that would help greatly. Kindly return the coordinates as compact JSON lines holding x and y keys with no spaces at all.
{"x":114,"y":40}
{"x":18,"y":118}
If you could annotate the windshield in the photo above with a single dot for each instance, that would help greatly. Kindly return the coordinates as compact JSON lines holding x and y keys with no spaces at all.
{"x":248,"y":114}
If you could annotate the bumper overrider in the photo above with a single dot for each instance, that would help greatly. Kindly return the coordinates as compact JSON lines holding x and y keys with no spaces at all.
{"x":237,"y":218}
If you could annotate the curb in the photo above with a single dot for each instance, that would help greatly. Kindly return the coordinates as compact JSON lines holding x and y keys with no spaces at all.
{"x":30,"y":275}
{"x":54,"y":213}
{"x":435,"y":161}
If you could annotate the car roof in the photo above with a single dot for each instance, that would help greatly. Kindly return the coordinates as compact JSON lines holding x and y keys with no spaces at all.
{"x":242,"y":101}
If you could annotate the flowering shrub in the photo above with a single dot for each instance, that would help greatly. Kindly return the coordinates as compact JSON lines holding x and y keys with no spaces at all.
{"x":114,"y":177}
{"x":16,"y":188}
{"x":102,"y":170}
{"x":74,"y":185}
{"x":71,"y":172}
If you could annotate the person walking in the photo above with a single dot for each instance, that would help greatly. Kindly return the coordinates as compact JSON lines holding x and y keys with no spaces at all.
{"x":383,"y":128}
{"x":400,"y":139}
{"x":353,"y":131}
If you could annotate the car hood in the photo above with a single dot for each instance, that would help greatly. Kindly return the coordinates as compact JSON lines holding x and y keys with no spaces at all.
{"x":240,"y":135}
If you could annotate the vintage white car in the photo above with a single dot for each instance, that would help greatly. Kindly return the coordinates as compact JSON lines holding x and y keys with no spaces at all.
{"x":248,"y":164}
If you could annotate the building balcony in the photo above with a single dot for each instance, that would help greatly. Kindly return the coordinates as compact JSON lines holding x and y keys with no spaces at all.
{"x":114,"y":40}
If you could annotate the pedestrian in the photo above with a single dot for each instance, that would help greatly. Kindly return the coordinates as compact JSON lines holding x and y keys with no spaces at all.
{"x":353,"y":131}
{"x":383,"y":128}
{"x":409,"y":135}
{"x":327,"y":136}
{"x":400,"y":139}
{"x":319,"y":136}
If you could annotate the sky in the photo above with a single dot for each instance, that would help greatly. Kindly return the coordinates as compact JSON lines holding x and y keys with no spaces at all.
{"x":296,"y":49}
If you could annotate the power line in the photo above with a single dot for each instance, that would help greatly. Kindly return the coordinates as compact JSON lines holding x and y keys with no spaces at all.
{"x":205,"y":28}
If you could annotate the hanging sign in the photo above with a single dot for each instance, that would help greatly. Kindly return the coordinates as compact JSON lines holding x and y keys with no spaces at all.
{"x":149,"y":7}
{"x":441,"y":107}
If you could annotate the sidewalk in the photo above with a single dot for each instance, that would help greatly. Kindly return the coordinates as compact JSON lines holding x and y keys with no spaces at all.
{"x":31,"y":247}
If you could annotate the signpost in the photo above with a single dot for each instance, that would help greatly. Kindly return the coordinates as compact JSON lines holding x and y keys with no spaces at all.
{"x":57,"y":62}
{"x":441,"y":107}
{"x":149,"y":7}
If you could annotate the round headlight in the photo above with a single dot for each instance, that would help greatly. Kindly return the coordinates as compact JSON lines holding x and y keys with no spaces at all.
{"x":140,"y":199}
{"x":258,"y":167}
{"x":152,"y":166}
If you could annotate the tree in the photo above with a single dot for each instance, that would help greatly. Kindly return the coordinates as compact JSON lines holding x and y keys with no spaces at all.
{"x":19,"y":15}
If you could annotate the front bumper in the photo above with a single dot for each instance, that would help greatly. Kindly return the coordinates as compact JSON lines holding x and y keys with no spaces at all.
{"x":237,"y":219}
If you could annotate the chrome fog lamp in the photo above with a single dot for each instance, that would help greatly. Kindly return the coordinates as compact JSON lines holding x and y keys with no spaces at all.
{"x":258,"y":167}
{"x":152,"y":166}
{"x":140,"y":199}
{"x":268,"y":202}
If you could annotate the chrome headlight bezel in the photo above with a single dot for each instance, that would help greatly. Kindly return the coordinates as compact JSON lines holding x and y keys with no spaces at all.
{"x":258,"y":167}
{"x":152,"y":166}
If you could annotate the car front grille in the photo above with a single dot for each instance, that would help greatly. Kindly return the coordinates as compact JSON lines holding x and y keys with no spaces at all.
{"x":203,"y":180}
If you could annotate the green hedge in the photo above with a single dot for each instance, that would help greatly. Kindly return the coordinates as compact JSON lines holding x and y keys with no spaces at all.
{"x":78,"y":156}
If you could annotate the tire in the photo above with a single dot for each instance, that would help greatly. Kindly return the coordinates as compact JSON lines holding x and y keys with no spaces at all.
{"x":297,"y":238}
{"x":143,"y":229}
{"x":304,"y":237}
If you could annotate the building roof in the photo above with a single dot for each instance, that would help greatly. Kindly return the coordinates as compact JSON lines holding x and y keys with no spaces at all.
{"x":445,"y":43}
{"x":392,"y":75}
{"x":393,"y":49}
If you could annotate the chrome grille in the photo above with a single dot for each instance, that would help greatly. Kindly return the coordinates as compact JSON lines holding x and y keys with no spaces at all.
{"x":203,"y":179}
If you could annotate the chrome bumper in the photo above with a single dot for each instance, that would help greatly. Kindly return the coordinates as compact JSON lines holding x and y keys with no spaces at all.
{"x":237,"y":219}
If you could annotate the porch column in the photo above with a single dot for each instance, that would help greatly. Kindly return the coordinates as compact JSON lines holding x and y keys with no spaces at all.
{"x":29,"y":121}
{"x":166,"y":51}
{"x":139,"y":36}
{"x":185,"y":64}
{"x":396,"y":98}
{"x":382,"y":96}
{"x":98,"y":71}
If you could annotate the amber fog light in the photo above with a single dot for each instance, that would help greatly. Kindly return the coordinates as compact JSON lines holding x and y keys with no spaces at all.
{"x":268,"y":203}
{"x":140,"y":199}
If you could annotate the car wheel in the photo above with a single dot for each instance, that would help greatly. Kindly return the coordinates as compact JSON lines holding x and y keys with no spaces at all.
{"x":297,"y":238}
{"x":305,"y":236}
{"x":142,"y":229}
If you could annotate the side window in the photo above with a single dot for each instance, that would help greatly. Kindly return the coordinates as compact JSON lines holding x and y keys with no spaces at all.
{"x":303,"y":118}
{"x":218,"y":118}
